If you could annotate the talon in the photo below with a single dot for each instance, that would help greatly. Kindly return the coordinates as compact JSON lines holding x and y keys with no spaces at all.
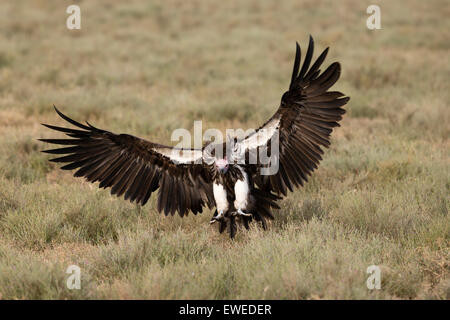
{"x":217,"y":218}
{"x":241,"y":213}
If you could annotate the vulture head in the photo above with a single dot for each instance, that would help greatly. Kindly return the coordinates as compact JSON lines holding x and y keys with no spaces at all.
{"x":221,"y":165}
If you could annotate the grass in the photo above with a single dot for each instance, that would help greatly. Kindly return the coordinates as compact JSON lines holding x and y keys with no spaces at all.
{"x":380,"y":196}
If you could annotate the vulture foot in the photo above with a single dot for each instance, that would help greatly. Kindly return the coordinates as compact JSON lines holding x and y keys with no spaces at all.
{"x":217,"y":218}
{"x":239,"y":212}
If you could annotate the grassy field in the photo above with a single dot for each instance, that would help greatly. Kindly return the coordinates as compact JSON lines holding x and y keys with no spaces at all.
{"x":380,"y":197}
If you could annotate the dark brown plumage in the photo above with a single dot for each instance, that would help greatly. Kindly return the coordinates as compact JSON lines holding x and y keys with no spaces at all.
{"x":135,"y":168}
{"x":128,"y":165}
{"x":307,"y":115}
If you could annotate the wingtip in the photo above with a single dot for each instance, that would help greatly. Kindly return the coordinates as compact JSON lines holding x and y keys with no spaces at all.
{"x":311,"y":42}
{"x":58,"y":112}
{"x":337,"y":66}
{"x":296,"y":64}
{"x":90,"y":125}
{"x":41,"y":140}
{"x":75,"y":123}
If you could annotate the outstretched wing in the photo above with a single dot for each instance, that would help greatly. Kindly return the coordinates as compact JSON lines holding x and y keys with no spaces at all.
{"x":303,"y":124}
{"x":135,"y":167}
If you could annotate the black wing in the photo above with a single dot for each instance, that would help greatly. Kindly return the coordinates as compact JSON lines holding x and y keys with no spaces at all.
{"x":303,"y":124}
{"x":135,"y":167}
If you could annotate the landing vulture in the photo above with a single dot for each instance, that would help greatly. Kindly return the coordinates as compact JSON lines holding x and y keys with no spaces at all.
{"x":234,"y":177}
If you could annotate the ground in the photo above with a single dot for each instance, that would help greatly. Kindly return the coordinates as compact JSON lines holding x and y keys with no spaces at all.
{"x":380,"y":196}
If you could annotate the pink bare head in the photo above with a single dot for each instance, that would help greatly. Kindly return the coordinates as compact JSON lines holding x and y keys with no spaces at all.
{"x":222,"y":165}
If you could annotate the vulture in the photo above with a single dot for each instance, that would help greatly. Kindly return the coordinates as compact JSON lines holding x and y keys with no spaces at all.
{"x":240,"y":179}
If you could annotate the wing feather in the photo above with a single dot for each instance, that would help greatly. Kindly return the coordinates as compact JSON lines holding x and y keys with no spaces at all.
{"x":303,"y":124}
{"x":134,"y":167}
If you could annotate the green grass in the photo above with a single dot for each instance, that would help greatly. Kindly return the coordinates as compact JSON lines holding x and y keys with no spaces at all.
{"x":380,"y":196}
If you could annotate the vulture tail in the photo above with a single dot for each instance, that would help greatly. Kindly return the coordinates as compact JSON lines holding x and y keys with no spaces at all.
{"x":264,"y":202}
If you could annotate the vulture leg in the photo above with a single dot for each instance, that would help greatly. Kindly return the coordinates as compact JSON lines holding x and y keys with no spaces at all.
{"x":217,"y":217}
{"x":241,"y":213}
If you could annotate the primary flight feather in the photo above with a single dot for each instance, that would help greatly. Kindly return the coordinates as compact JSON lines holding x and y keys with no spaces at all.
{"x":190,"y":179}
